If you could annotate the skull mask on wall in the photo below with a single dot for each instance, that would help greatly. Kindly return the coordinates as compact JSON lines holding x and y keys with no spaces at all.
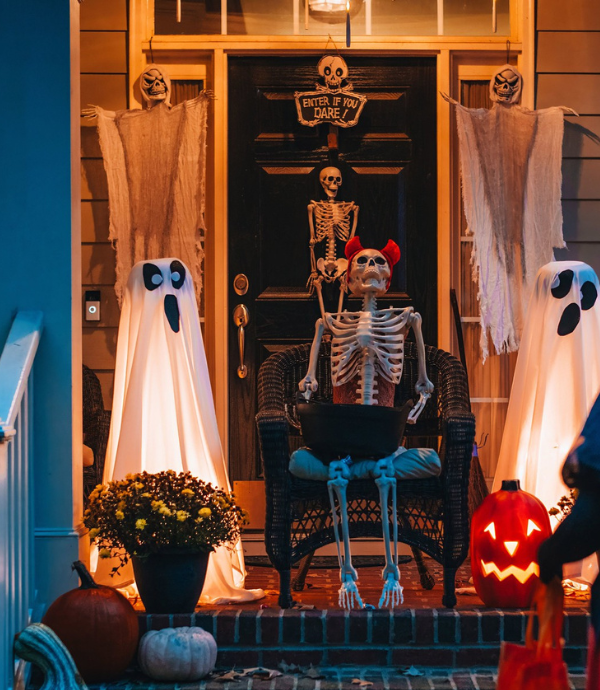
{"x":155,"y":86}
{"x":334,"y":70}
{"x":506,"y":85}
{"x":331,"y":181}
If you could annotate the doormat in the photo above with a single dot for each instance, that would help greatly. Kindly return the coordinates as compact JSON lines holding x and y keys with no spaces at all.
{"x":329,"y":562}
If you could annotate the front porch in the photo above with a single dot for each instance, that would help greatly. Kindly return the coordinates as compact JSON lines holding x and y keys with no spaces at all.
{"x":318,"y":646}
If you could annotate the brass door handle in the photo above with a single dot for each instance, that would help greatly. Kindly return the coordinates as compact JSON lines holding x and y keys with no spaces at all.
{"x":241,"y":316}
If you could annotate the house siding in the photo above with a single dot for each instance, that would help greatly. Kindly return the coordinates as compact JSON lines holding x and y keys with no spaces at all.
{"x":104,"y":82}
{"x":568,"y":73}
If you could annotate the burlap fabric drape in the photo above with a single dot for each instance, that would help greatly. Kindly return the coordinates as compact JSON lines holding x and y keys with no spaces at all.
{"x":511,"y":181}
{"x":155,"y":164}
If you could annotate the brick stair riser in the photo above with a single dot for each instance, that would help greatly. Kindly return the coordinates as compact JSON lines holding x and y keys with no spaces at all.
{"x":438,"y":637}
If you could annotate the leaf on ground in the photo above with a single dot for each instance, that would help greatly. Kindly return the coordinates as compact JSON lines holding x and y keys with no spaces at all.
{"x":314,"y":673}
{"x":466,"y":590}
{"x":262,"y":673}
{"x":362,"y":683}
{"x":228,"y":676}
{"x":411,"y":671}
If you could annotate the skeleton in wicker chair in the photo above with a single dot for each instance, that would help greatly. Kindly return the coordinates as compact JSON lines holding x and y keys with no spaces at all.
{"x":329,"y":221}
{"x":367,"y":356}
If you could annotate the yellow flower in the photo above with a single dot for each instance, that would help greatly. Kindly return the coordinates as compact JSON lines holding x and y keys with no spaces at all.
{"x":146,"y":495}
{"x":156,"y":505}
{"x":140,"y":524}
{"x":163,"y":510}
{"x":130,"y":476}
{"x":119,"y":514}
{"x":205,"y":512}
{"x":182,"y":516}
{"x":104,"y":553}
{"x":187,"y":492}
{"x":138,"y":486}
{"x":94,"y":533}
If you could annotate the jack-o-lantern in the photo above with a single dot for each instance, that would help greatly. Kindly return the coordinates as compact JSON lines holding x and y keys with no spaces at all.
{"x":506,"y":532}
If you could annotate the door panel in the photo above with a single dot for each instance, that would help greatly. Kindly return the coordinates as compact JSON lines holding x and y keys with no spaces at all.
{"x":388,"y":167}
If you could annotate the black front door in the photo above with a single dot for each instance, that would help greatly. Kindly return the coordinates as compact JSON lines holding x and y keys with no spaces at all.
{"x":388,"y":166}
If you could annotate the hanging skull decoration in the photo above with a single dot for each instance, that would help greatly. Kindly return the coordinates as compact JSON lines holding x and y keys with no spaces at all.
{"x":334,"y":70}
{"x":506,"y":85}
{"x":331,"y":181}
{"x":155,"y":86}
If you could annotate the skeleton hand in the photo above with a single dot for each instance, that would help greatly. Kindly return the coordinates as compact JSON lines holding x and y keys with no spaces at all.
{"x":308,"y":386}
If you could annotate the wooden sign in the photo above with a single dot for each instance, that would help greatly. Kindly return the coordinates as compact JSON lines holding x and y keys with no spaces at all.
{"x":334,"y":102}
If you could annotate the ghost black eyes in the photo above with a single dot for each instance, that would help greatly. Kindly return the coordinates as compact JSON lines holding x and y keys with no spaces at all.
{"x":565,"y":280}
{"x":152,"y":276}
{"x":589,"y":295}
{"x":177,"y":274}
{"x":572,"y":314}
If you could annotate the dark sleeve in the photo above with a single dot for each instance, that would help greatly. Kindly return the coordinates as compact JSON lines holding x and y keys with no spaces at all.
{"x":577,"y":536}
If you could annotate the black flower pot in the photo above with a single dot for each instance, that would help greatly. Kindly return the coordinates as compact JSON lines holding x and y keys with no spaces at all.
{"x":170,"y":582}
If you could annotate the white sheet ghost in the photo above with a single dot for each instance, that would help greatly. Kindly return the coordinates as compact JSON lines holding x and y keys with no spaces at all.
{"x":163,"y":414}
{"x":556,"y":381}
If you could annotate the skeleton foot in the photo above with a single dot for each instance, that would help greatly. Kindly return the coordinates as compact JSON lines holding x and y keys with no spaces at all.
{"x":391,"y":595}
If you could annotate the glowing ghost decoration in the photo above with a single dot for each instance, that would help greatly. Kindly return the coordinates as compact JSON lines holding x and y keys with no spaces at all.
{"x":163,"y":415}
{"x":506,"y":532}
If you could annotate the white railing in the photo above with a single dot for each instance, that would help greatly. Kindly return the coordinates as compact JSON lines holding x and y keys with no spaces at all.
{"x":17,"y":583}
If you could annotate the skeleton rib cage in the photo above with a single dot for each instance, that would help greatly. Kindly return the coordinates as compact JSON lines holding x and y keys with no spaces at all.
{"x":332,"y":220}
{"x":378,"y":336}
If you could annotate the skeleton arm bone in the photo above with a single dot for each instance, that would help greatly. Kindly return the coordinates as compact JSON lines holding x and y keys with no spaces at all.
{"x":309,"y":384}
{"x":423,"y":387}
{"x":354,"y":220}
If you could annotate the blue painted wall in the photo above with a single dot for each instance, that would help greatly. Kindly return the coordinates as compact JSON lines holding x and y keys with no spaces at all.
{"x":35,"y":232}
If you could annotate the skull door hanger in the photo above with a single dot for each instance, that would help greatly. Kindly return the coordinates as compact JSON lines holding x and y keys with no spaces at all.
{"x":330,"y":222}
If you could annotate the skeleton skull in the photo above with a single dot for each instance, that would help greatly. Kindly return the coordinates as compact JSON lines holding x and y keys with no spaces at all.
{"x":155,"y":86}
{"x":369,"y":272}
{"x":506,"y":85}
{"x":334,"y":70}
{"x":331,"y":181}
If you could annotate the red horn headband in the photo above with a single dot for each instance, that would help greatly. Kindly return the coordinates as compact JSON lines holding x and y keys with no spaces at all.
{"x":391,"y":251}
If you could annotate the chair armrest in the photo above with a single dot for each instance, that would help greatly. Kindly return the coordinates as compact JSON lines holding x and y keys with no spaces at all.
{"x":273,"y":435}
{"x":457,"y":439}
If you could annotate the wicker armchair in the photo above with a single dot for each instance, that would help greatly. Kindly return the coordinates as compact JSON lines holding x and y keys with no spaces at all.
{"x":96,"y":425}
{"x":433,"y":514}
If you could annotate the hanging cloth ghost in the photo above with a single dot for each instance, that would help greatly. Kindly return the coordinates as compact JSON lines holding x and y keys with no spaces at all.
{"x":163,"y":415}
{"x":155,"y":163}
{"x":511,"y":182}
{"x":557,"y":379}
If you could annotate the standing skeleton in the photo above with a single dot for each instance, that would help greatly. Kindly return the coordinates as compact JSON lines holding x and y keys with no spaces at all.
{"x":367,"y":351}
{"x":330,"y":221}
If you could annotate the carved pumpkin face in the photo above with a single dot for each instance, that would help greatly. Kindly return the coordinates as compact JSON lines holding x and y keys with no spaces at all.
{"x":506,"y":532}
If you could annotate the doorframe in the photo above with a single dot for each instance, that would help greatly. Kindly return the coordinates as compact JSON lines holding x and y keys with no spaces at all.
{"x":177,"y":53}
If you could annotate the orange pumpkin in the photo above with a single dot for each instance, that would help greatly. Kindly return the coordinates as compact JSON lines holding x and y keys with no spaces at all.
{"x":506,"y":532}
{"x":97,"y":625}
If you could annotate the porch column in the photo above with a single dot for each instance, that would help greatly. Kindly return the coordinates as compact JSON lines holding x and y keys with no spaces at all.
{"x":40,"y":249}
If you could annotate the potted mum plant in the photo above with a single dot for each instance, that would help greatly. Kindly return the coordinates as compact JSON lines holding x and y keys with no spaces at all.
{"x":168,"y":524}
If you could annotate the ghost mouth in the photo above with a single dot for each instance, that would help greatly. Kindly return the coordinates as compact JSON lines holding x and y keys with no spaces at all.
{"x":521,"y":575}
{"x":172,"y":312}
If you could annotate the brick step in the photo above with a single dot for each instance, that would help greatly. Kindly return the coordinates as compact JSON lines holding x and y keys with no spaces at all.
{"x":422,"y":637}
{"x":381,"y":678}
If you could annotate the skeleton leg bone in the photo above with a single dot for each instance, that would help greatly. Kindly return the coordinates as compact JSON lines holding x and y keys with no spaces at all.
{"x":349,"y":597}
{"x":391,"y":594}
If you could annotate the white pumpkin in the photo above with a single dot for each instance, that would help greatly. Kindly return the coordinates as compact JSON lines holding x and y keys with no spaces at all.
{"x":176,"y":654}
